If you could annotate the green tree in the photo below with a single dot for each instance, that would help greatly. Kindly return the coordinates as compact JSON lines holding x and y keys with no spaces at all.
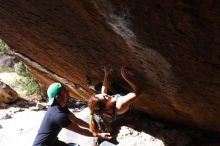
{"x":27,"y":82}
{"x":2,"y":47}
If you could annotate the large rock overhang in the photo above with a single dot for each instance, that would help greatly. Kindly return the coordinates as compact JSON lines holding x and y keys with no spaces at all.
{"x":172,"y":48}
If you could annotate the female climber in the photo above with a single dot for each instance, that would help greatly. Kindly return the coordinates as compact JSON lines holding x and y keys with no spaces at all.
{"x":104,"y":104}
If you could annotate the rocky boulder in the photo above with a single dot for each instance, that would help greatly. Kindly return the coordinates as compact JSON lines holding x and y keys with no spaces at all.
{"x":172,"y":48}
{"x":7,"y":94}
{"x":6,"y":61}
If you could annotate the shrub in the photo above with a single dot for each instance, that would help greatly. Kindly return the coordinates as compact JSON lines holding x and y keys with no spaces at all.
{"x":2,"y":47}
{"x":21,"y":70}
{"x":27,"y":82}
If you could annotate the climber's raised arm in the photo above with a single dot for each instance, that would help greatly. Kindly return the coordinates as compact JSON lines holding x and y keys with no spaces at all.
{"x":104,"y":89}
{"x":133,"y":95}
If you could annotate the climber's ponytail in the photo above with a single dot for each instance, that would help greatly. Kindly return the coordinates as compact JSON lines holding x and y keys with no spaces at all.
{"x":93,"y":125}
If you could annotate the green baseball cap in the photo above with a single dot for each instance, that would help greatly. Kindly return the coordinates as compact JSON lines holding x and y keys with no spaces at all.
{"x":53,"y":90}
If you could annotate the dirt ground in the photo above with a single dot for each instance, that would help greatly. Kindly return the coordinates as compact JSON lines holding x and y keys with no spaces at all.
{"x":21,"y":128}
{"x":18,"y":126}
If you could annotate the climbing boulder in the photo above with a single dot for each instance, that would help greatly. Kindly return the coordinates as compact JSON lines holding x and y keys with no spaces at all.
{"x":7,"y":94}
{"x":171,"y":46}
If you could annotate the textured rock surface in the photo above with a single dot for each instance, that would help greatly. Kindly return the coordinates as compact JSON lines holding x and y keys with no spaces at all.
{"x":7,"y":94}
{"x":137,"y":128}
{"x":6,"y":61}
{"x":172,"y":47}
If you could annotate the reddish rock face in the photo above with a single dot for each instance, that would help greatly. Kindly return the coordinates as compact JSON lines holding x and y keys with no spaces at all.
{"x":171,"y":46}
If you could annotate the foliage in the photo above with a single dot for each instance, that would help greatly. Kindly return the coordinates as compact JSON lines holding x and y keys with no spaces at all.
{"x":27,"y":82}
{"x":21,"y":70}
{"x":2,"y":47}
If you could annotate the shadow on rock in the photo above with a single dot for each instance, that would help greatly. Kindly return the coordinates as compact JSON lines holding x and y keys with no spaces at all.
{"x":170,"y":134}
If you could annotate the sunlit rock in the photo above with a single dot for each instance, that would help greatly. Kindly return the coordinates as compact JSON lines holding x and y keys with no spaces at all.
{"x":7,"y":94}
{"x":171,"y":47}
